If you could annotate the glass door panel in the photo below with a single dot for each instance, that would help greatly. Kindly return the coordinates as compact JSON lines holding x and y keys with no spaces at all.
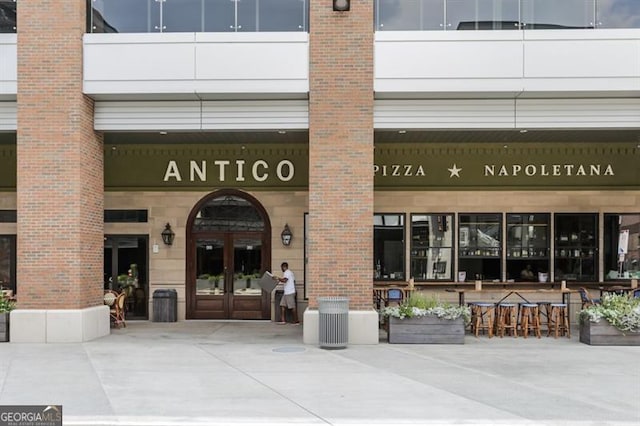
{"x":247,"y":265}
{"x":125,"y":270}
{"x":210,"y":266}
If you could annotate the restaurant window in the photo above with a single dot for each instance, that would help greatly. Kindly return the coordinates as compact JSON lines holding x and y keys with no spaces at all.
{"x":528,"y":246}
{"x":621,"y":246}
{"x":388,"y":246}
{"x":576,"y":247}
{"x":8,"y":262}
{"x":480,"y":247}
{"x":432,"y":247}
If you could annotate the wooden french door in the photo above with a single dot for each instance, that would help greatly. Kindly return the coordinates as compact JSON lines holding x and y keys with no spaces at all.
{"x":226,"y":259}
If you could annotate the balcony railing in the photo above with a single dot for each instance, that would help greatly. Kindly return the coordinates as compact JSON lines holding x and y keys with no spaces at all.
{"x":439,"y":15}
{"x":149,"y":16}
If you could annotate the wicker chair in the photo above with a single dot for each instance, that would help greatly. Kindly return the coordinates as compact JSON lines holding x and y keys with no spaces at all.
{"x":117,"y":311}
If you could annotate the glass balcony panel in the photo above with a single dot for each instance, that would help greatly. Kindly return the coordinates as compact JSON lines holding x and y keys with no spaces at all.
{"x":409,"y":15}
{"x":219,"y":16}
{"x":125,"y":16}
{"x":554,"y":14}
{"x":182,"y":16}
{"x":281,"y":15}
{"x":618,"y":14}
{"x":247,"y":16}
{"x":432,"y":15}
{"x":8,"y":18}
{"x":482,"y":15}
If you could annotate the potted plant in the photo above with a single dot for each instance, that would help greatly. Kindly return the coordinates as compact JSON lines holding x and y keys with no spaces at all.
{"x":6,"y":306}
{"x":420,"y":319}
{"x":613,"y":321}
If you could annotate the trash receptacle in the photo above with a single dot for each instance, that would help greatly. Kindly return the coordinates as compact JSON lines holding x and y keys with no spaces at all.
{"x":165,"y":305}
{"x":334,"y":322}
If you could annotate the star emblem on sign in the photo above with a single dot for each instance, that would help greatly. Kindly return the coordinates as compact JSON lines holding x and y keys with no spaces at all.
{"x":455,"y":171}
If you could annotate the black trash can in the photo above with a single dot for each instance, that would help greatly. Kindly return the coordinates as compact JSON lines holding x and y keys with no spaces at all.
{"x":334,"y":322}
{"x":165,"y":305}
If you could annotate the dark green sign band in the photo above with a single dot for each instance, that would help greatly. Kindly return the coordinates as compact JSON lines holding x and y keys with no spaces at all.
{"x":419,"y":166}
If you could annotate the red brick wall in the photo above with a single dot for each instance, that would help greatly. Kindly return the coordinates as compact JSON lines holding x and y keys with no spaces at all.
{"x":341,"y":153}
{"x":60,"y":163}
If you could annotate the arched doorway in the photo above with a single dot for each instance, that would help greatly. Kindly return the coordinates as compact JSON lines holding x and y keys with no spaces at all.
{"x":228,"y":250}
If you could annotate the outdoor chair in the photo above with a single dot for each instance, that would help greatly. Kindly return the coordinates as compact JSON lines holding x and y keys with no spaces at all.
{"x":109,"y":297}
{"x":117,"y":311}
{"x":586,"y":299}
{"x":394,"y":295}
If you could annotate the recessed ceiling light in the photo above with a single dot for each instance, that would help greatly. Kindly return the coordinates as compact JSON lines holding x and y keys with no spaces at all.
{"x":402,"y":132}
{"x":163,"y":133}
{"x":282,"y":132}
{"x":523,"y":130}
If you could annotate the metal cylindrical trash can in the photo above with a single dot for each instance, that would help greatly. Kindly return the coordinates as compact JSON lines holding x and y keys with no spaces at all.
{"x":165,"y":305}
{"x":334,"y":322}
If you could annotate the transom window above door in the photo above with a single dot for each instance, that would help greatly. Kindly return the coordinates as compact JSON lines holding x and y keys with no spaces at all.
{"x":228,"y":213}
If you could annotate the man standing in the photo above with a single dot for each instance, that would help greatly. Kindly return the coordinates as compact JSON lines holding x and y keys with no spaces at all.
{"x":289,"y":299}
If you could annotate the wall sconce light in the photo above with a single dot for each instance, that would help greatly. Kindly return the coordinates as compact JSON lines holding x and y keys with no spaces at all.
{"x":286,"y":235}
{"x":341,"y":5}
{"x":168,"y":235}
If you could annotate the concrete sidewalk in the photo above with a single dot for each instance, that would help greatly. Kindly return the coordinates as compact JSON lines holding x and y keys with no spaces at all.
{"x":234,"y":373}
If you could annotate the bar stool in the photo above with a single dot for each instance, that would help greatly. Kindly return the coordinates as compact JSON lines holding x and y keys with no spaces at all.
{"x":529,"y":319}
{"x":482,"y":317}
{"x":559,"y":320}
{"x":544,"y":308}
{"x":506,"y":319}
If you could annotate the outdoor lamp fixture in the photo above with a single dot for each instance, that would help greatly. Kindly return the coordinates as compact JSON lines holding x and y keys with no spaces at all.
{"x":286,"y":235}
{"x":168,"y":235}
{"x":341,"y":5}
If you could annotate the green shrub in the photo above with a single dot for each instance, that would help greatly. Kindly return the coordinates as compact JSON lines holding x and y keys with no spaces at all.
{"x":6,"y":305}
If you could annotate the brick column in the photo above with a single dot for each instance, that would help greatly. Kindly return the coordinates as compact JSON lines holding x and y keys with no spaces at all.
{"x":60,"y":165}
{"x":341,"y":154}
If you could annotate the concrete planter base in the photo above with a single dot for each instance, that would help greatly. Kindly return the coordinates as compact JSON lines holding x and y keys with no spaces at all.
{"x":602,"y":333}
{"x":426,"y":330}
{"x":4,"y":327}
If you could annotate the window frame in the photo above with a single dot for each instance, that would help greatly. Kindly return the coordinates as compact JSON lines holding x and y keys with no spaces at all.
{"x":380,"y":264}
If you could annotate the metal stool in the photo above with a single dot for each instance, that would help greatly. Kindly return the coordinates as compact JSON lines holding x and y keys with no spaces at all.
{"x":482,"y":317}
{"x":529,"y":319}
{"x":559,"y":320}
{"x":506,"y":319}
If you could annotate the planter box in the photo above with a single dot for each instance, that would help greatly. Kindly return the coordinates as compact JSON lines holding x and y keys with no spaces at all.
{"x":603,"y":333}
{"x":427,"y":329}
{"x":4,"y":327}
